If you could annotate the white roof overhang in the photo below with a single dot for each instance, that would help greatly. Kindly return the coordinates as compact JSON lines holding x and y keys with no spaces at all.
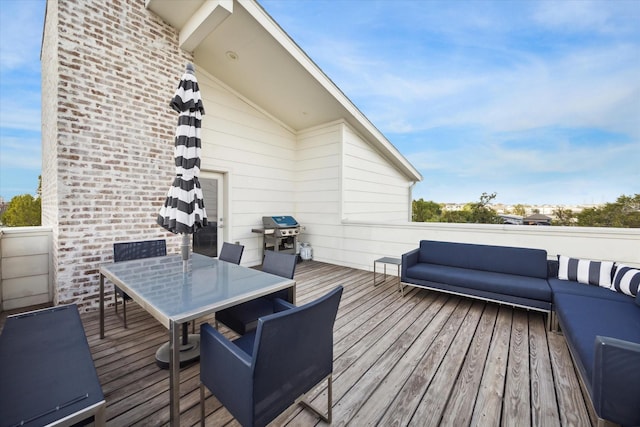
{"x":240,"y":44}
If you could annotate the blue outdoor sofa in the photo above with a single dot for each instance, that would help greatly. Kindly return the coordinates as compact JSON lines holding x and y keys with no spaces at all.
{"x":601,"y":327}
{"x":515,"y":276}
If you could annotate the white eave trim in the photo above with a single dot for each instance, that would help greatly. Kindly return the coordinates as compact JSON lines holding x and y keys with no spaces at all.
{"x":206,"y":19}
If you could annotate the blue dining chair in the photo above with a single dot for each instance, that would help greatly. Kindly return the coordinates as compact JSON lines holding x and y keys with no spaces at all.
{"x":243,"y":318}
{"x":231,"y":252}
{"x":259,"y":375}
{"x":126,"y":251}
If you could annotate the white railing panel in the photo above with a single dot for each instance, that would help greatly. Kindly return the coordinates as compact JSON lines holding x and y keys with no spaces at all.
{"x":357,"y":244}
{"x":25,"y":267}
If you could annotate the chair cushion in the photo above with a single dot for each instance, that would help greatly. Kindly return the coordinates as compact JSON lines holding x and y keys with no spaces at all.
{"x":585,"y":271}
{"x":584,"y":317}
{"x":243,"y":318}
{"x":559,"y":286}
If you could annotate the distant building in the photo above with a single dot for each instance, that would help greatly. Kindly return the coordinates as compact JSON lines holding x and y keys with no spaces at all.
{"x":511,"y":219}
{"x":3,"y":207}
{"x":536,"y":219}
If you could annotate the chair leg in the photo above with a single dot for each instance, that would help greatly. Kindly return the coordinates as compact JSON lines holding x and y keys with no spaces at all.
{"x":326,"y":418}
{"x":124,"y":311}
{"x":202,"y":404}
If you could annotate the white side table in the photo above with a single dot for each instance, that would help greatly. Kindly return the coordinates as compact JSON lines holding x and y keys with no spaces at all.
{"x":384,"y":261}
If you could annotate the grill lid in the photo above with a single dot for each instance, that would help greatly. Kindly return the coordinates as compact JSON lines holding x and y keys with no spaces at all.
{"x":279,"y":221}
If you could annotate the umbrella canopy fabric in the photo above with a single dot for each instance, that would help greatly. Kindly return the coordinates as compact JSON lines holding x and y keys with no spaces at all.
{"x":183,"y":211}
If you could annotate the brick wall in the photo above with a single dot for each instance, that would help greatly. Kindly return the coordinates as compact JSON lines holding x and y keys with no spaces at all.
{"x":110,"y":69}
{"x":49,"y":64}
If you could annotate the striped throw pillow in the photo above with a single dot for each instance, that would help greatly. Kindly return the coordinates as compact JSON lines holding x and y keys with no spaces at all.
{"x":585,"y":271}
{"x":626,"y":280}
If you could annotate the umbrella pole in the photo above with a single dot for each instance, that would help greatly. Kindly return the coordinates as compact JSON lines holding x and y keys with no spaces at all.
{"x":185,"y":333}
{"x":185,"y":251}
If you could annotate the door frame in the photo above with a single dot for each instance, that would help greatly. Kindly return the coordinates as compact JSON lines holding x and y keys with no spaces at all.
{"x":222,"y":218}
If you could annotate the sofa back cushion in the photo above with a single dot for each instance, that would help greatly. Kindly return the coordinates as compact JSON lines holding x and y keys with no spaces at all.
{"x":500,"y":259}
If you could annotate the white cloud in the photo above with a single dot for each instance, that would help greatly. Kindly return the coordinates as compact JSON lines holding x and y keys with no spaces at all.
{"x":22,"y":153}
{"x":15,"y":17}
{"x":600,"y":16}
{"x":587,"y":87}
{"x":19,"y":117}
{"x":506,"y":66}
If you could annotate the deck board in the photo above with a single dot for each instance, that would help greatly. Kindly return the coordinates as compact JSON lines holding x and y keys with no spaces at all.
{"x":488,"y":408}
{"x":517,"y":411}
{"x":424,"y":359}
{"x":461,"y":403}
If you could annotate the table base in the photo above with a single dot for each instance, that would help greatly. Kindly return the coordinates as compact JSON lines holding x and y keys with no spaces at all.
{"x":189,"y":353}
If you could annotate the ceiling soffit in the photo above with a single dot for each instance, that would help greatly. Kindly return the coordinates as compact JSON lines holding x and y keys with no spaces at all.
{"x":239,"y":43}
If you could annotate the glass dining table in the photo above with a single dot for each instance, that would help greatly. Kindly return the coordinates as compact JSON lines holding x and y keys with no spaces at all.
{"x":175,"y":295}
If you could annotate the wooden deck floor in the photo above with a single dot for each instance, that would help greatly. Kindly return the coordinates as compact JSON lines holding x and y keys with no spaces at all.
{"x":425,"y":359}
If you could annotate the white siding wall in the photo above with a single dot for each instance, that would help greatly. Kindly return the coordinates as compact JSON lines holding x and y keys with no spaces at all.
{"x":318,"y":175}
{"x":257,"y":156}
{"x":342,"y":178}
{"x":373,"y":189}
{"x":319,"y":185}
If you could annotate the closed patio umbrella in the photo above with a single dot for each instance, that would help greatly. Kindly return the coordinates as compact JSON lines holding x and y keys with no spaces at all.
{"x":183,"y":211}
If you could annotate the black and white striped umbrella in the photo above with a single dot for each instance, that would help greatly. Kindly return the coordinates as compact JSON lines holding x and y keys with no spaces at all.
{"x":183,"y":211}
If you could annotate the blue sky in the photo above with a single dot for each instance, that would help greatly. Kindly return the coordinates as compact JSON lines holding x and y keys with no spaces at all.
{"x":21,"y":23}
{"x":538,"y":101}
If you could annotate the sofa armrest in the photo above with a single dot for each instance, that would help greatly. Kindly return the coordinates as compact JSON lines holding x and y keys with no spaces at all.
{"x":408,"y":260}
{"x":616,"y":380}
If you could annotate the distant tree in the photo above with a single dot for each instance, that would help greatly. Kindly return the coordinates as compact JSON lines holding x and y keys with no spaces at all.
{"x":462,"y":216}
{"x":519,"y":210}
{"x":563,"y":217}
{"x":24,"y":210}
{"x":623,"y":213}
{"x":425,"y":211}
{"x":481,"y":211}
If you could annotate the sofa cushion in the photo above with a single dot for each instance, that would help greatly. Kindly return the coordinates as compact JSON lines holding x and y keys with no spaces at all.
{"x":585,"y":271}
{"x":559,"y":286}
{"x":626,"y":280}
{"x":500,"y":283}
{"x":500,"y":259}
{"x":584,"y":317}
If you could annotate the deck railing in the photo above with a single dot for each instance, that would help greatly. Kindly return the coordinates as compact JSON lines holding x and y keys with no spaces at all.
{"x":25,"y":267}
{"x":26,"y":253}
{"x":356,"y":244}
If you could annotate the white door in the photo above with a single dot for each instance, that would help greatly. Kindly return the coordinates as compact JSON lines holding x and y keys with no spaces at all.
{"x":208,"y":240}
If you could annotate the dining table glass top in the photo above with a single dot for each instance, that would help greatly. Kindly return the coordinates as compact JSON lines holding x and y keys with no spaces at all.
{"x":208,"y":284}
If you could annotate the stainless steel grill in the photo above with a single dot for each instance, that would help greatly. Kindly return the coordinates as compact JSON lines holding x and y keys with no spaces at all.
{"x":280,"y":233}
